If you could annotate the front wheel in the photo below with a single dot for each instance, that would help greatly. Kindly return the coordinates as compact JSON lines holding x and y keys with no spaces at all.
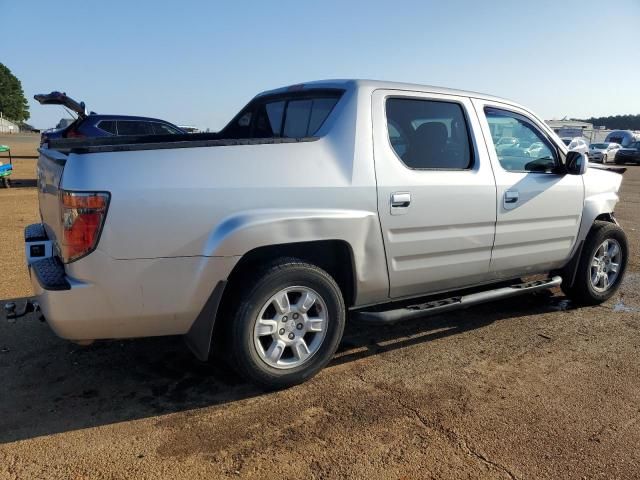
{"x":601,"y":266}
{"x":287,"y":325}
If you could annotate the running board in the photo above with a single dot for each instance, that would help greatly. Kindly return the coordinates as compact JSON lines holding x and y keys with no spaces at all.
{"x":454,"y":303}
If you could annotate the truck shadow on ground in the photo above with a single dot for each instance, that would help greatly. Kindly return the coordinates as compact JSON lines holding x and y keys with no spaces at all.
{"x":51,"y":386}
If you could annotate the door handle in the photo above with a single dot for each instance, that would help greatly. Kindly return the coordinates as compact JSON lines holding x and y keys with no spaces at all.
{"x":511,"y":196}
{"x":400,"y":199}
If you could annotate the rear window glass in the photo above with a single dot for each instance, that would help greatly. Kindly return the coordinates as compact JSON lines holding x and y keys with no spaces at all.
{"x":132,"y":127}
{"x":287,"y":116}
{"x":108,"y":126}
{"x":268,"y":120}
{"x":296,"y":124}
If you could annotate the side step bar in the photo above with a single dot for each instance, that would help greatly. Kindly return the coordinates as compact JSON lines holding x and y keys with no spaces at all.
{"x":454,"y":303}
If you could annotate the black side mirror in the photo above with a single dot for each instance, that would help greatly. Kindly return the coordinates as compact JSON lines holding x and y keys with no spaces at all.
{"x":576,"y":163}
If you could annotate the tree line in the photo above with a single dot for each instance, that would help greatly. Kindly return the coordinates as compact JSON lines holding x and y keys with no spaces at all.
{"x":616,"y":122}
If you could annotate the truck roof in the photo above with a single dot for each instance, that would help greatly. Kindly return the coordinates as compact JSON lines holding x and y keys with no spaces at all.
{"x":352,"y":84}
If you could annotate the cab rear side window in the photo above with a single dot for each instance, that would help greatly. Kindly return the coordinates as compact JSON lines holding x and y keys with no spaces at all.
{"x":429,"y":134}
{"x":108,"y":126}
{"x":298,"y":115}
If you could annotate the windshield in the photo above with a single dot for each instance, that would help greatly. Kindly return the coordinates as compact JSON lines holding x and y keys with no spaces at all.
{"x":599,"y":145}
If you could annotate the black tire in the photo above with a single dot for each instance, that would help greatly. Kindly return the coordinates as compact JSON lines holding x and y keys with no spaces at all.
{"x":582,"y":291}
{"x":280,"y":274}
{"x":6,"y":182}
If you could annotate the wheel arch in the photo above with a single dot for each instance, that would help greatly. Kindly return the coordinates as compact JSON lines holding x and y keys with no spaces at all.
{"x":334,"y":256}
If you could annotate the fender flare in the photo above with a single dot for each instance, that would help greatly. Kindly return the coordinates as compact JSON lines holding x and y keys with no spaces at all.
{"x":245,"y":231}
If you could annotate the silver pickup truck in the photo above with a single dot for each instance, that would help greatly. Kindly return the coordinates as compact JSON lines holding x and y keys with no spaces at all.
{"x":317,"y":203}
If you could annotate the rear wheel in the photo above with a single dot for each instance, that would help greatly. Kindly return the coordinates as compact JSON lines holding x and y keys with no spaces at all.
{"x":601,"y":266}
{"x":287,"y":325}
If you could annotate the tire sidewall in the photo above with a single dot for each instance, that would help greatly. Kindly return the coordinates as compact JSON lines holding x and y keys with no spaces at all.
{"x":600,"y":236}
{"x":244,"y":323}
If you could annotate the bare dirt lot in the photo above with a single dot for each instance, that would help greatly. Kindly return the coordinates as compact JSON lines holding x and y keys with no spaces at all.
{"x":526,"y":388}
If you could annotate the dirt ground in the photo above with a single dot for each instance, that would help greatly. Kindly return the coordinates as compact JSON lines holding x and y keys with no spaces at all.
{"x":525,"y":388}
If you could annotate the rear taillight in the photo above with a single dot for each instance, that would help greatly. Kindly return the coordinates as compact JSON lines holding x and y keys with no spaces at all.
{"x":73,"y":134}
{"x":83,"y":215}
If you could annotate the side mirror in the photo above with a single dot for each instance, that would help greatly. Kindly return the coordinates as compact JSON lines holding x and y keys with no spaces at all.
{"x":576,"y":163}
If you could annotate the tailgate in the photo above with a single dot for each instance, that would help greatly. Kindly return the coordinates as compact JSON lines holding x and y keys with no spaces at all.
{"x":50,"y":167}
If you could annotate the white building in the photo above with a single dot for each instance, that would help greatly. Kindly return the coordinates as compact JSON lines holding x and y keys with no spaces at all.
{"x":576,"y":128}
{"x":8,"y":127}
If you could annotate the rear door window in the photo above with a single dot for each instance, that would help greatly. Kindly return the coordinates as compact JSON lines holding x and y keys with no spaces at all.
{"x":134,"y":127}
{"x":429,"y":134}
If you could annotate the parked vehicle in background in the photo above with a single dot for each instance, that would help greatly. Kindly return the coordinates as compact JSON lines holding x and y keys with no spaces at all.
{"x":64,"y":123}
{"x":534,"y":149}
{"x":576,"y":144}
{"x":91,"y":124}
{"x":631,"y":153}
{"x":506,"y":141}
{"x":622,"y":137}
{"x":189,"y":128}
{"x":317,"y":203}
{"x":602,"y":152}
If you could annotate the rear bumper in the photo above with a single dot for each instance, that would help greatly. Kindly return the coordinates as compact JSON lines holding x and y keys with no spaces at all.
{"x":100,"y":297}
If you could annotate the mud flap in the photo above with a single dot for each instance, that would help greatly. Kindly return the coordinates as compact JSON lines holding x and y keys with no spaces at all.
{"x":198,"y":338}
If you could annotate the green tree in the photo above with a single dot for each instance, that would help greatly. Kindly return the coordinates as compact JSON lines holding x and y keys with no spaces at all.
{"x":617,"y":122}
{"x":13,"y":104}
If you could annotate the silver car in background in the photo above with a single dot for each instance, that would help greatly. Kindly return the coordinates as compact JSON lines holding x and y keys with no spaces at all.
{"x":603,"y":152}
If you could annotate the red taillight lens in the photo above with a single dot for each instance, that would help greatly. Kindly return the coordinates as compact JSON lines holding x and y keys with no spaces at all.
{"x":83,"y":215}
{"x":74,"y":134}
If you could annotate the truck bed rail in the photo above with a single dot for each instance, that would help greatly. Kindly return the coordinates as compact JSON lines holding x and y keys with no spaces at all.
{"x":129,"y":143}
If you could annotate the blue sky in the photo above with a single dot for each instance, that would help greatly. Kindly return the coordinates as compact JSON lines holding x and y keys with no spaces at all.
{"x":199,"y":62}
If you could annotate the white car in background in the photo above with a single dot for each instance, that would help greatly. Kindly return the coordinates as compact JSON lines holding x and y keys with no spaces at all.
{"x":576,"y":144}
{"x":603,"y":152}
{"x":534,"y":150}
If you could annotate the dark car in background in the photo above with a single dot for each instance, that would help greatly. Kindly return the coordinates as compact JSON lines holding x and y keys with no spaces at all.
{"x":630,"y":153}
{"x":91,"y":124}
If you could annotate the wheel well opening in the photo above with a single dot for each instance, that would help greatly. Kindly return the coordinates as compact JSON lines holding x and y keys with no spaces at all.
{"x":606,"y":217}
{"x":333,"y":256}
